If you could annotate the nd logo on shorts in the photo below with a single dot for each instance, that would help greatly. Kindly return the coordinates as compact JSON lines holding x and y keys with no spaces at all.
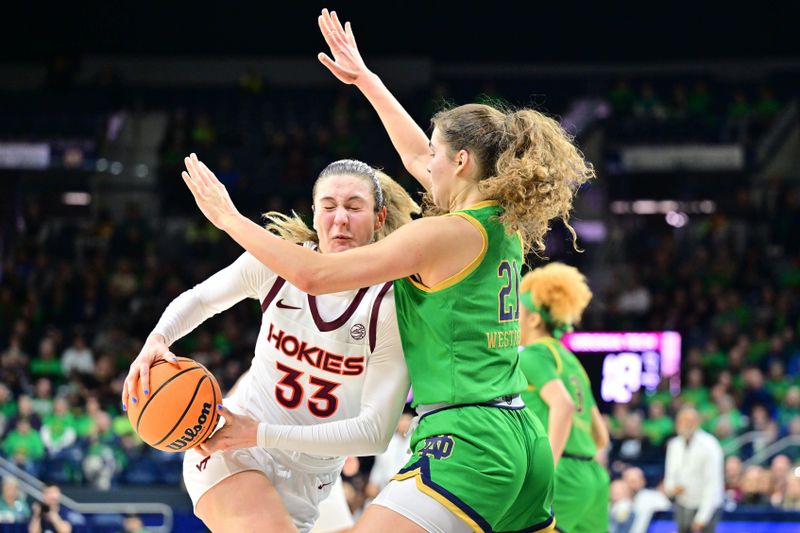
{"x":438,"y":447}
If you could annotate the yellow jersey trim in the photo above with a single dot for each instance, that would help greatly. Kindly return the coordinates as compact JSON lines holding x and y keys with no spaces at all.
{"x":547,"y":341}
{"x":467,"y":270}
{"x":417,"y":473}
{"x":479,"y":205}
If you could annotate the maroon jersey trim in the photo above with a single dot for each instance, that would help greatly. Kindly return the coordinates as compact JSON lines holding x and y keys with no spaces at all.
{"x":324,"y":325}
{"x":273,"y":292}
{"x":373,"y":319}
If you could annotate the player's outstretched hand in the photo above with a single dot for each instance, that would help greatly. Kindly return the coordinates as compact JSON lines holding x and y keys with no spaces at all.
{"x":210,"y":194}
{"x":154,"y":349}
{"x":238,"y":431}
{"x":346,"y":64}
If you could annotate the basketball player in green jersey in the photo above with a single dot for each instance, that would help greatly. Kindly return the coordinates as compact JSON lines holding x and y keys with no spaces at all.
{"x":495,"y":179}
{"x":553,"y":298}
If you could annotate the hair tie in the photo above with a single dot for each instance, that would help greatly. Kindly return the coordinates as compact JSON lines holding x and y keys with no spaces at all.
{"x":558,"y":328}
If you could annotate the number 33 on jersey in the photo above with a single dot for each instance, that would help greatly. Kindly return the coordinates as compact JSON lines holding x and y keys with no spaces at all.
{"x":312,"y":352}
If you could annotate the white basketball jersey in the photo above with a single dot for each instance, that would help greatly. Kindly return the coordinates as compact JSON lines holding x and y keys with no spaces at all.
{"x":312,"y":352}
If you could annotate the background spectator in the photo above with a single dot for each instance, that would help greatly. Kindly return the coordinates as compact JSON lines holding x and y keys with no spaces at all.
{"x":646,"y":501}
{"x":24,"y":446}
{"x":13,"y":507}
{"x":694,"y":475}
{"x":620,"y":515}
{"x":133,"y":524}
{"x":77,"y":358}
{"x":50,"y":515}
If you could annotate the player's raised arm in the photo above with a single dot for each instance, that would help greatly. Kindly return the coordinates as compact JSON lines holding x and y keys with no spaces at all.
{"x":434,"y":247}
{"x":347,"y":65}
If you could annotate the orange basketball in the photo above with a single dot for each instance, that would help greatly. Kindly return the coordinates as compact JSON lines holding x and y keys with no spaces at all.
{"x":181,"y":410}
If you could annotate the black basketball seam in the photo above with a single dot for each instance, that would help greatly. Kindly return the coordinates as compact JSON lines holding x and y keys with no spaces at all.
{"x":188,"y":405}
{"x":162,"y":361}
{"x":216,"y":418}
{"x":176,"y":376}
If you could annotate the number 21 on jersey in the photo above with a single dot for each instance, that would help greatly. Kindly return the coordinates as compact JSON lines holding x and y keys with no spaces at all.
{"x":507,"y":303}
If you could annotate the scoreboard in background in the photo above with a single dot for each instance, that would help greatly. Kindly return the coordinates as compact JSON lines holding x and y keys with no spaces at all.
{"x":621,"y":363}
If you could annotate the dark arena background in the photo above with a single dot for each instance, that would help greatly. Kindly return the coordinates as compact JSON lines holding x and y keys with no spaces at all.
{"x":690,"y":232}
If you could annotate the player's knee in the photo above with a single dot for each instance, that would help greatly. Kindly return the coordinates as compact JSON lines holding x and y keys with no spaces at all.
{"x":210,"y":510}
{"x":207,"y":518}
{"x":219,"y":512}
{"x":217,"y":521}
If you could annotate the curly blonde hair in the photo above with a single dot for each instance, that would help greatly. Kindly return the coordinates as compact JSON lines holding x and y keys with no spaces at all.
{"x":386,"y":193}
{"x":526,"y":161}
{"x":559,"y":288}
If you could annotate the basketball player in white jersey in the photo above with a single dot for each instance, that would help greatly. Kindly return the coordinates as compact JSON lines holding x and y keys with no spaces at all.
{"x":335,"y":358}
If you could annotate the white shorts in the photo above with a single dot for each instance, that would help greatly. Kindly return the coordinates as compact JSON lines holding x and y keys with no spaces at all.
{"x":405,"y":498}
{"x":334,"y":513}
{"x":300,"y":491}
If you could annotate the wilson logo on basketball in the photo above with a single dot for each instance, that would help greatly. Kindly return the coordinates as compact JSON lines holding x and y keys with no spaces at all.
{"x":190,"y":433}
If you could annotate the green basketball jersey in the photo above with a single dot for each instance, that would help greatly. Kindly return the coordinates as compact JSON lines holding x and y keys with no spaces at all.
{"x":460,"y":336}
{"x":547,"y":359}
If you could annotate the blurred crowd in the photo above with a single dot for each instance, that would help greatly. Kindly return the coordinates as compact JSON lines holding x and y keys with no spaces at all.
{"x":71,"y":326}
{"x":730,"y":284}
{"x":651,"y":111}
{"x":78,"y":297}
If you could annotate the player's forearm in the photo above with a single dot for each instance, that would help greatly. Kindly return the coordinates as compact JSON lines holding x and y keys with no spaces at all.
{"x":600,"y":438}
{"x":309,"y":271}
{"x":300,"y":266}
{"x":182,"y":315}
{"x":382,"y":398}
{"x":355,"y":436}
{"x":559,"y":425}
{"x":193,"y":307}
{"x":599,"y":430}
{"x":407,"y":137}
{"x":404,"y":252}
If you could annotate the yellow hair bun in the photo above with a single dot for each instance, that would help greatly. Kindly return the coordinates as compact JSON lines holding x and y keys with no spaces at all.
{"x":561,"y":288}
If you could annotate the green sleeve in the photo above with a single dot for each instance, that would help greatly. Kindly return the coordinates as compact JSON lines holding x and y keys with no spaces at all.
{"x":538,"y":364}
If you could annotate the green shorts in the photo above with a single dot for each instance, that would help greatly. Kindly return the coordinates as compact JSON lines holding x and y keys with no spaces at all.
{"x":491,"y":466}
{"x":581,"y":498}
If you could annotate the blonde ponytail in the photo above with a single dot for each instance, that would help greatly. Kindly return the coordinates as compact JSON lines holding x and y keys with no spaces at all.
{"x":399,"y":205}
{"x":290,"y":228}
{"x":527,"y":162}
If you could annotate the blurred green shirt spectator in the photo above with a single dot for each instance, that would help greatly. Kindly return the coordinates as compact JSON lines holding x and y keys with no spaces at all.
{"x":23,"y":442}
